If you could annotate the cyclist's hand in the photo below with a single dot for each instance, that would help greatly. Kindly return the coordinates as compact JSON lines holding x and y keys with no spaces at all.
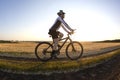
{"x":71,"y":32}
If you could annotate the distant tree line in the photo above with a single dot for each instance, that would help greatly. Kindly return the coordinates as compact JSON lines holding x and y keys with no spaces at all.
{"x":8,"y":41}
{"x":116,"y":40}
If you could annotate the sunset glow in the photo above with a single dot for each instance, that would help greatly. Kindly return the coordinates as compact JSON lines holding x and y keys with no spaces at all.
{"x":94,"y":20}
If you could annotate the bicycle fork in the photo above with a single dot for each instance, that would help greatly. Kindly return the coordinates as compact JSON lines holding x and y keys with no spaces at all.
{"x":73,"y":48}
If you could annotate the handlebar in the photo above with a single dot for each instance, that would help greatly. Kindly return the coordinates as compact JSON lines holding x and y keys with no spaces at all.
{"x":68,"y":35}
{"x":72,"y":32}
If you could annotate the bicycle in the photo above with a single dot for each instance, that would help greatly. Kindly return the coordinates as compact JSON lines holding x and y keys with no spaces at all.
{"x":74,"y":49}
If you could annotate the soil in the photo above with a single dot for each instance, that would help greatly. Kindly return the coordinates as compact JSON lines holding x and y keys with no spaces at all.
{"x":109,"y":70}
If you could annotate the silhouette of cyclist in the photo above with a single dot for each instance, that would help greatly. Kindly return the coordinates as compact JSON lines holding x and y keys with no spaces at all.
{"x":56,"y":35}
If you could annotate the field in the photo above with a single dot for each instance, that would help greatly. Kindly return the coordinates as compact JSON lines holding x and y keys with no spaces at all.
{"x":26,"y":49}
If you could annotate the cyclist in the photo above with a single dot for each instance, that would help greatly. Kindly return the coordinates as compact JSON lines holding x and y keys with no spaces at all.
{"x":56,"y":35}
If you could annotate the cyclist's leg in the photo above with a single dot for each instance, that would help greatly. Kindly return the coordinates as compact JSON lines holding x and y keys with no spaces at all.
{"x":60,"y":35}
{"x":55,"y":44}
{"x":55,"y":48}
{"x":55,"y":41}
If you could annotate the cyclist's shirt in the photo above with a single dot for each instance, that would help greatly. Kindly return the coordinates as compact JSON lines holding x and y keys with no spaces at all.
{"x":60,"y":22}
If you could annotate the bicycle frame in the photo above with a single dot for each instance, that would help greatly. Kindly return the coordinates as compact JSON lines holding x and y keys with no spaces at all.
{"x":73,"y":49}
{"x":66,"y":39}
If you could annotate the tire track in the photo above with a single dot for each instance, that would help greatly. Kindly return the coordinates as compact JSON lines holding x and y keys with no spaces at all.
{"x":108,"y":70}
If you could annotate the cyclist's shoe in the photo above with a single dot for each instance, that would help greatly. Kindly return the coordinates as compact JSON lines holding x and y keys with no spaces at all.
{"x":54,"y":54}
{"x":59,"y":46}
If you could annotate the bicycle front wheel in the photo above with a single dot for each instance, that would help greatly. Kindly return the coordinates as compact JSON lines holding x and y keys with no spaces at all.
{"x":74,"y":50}
{"x":43,"y":51}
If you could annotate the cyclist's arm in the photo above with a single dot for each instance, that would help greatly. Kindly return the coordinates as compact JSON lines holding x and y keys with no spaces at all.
{"x":65,"y":24}
{"x":64,"y":28}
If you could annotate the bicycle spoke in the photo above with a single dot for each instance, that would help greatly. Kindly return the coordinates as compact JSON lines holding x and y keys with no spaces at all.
{"x":43,"y":51}
{"x":74,"y":50}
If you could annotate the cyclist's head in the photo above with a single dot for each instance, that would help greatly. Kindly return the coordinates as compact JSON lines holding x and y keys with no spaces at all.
{"x":61,"y":13}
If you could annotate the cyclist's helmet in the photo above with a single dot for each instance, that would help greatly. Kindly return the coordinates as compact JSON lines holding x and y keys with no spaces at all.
{"x":60,"y":12}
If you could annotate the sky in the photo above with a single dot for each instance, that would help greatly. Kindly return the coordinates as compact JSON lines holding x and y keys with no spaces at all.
{"x":30,"y":20}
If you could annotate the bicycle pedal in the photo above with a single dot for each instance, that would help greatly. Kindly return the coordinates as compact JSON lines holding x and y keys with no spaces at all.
{"x":59,"y":45}
{"x":58,"y":53}
{"x":55,"y":57}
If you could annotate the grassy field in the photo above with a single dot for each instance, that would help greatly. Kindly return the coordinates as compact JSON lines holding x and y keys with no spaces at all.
{"x":26,"y":49}
{"x":53,"y":66}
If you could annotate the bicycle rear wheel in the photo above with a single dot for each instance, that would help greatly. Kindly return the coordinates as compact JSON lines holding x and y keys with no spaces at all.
{"x":74,"y":50}
{"x":43,"y":51}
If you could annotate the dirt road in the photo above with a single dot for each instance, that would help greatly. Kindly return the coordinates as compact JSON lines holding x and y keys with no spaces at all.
{"x":109,"y":70}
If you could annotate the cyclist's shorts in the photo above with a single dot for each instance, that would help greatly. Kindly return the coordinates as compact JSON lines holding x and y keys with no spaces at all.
{"x":54,"y":33}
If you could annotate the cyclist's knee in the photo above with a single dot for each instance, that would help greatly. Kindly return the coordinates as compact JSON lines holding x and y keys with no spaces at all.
{"x":61,"y":35}
{"x":55,"y":44}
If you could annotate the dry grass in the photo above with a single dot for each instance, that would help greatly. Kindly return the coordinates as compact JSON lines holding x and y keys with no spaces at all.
{"x":89,"y":46}
{"x":26,"y":49}
{"x":29,"y":47}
